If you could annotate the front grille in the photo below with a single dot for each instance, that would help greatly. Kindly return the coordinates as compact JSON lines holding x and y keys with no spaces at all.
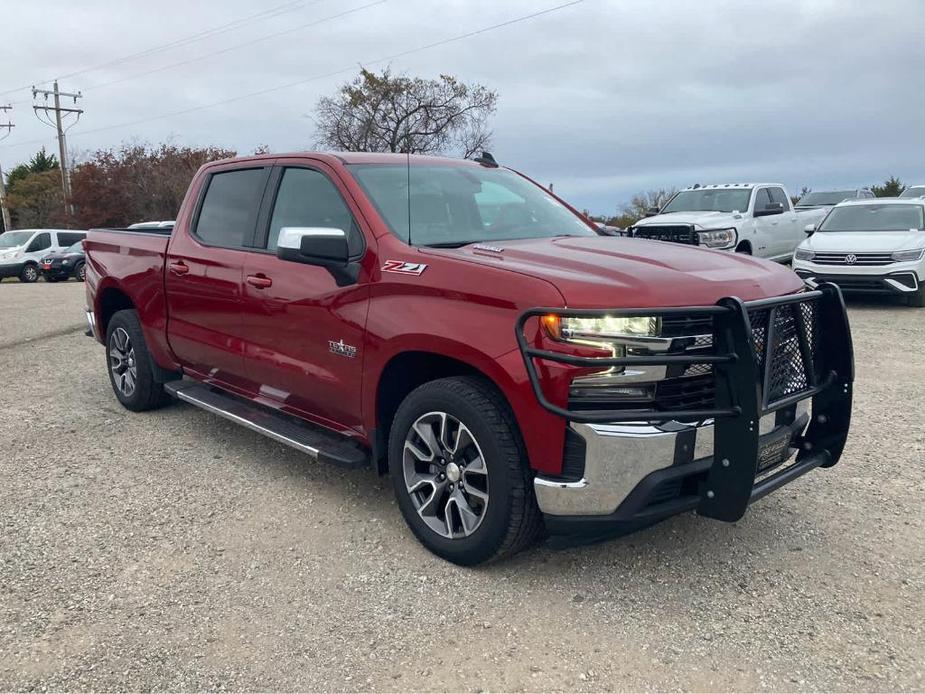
{"x":859,"y":259}
{"x":678,"y":233}
{"x":693,"y":387}
{"x":795,"y":332}
{"x":686,"y":326}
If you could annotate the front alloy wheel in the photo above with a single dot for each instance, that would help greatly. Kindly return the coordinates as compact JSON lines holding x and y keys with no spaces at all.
{"x":445,"y":475}
{"x":460,"y":472}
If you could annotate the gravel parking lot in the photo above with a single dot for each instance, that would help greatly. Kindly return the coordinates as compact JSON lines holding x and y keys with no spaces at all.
{"x":173,"y":550}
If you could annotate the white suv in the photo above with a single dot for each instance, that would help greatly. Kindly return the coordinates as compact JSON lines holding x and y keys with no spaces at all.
{"x":874,"y":246}
{"x":21,"y":251}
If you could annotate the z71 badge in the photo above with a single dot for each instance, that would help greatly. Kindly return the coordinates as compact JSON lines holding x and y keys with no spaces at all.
{"x":403,"y":268}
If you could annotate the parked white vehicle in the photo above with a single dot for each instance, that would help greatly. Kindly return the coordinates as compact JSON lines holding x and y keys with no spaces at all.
{"x":874,"y":246}
{"x":753,"y":218}
{"x":913,"y":192}
{"x":829,"y":198}
{"x":21,"y":251}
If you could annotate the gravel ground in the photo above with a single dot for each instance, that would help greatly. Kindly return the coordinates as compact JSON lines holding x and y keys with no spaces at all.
{"x":172,"y":550}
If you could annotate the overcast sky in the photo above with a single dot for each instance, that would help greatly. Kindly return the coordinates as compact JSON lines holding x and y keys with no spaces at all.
{"x":603,"y":98}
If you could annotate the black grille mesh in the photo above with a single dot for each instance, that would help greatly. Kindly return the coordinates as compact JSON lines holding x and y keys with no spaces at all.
{"x":788,"y":374}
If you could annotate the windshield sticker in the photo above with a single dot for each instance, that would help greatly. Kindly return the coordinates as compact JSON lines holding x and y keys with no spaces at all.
{"x":403,"y":268}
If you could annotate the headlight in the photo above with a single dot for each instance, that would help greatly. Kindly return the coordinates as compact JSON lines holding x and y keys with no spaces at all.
{"x":717,"y":238}
{"x":905,"y":256}
{"x":65,"y":262}
{"x":574,"y":329}
{"x":803,"y":254}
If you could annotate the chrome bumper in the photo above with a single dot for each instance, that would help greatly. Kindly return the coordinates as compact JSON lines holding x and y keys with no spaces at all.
{"x":619,"y":456}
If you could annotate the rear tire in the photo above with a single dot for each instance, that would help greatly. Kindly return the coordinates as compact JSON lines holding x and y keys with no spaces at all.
{"x":129,"y":364}
{"x":918,"y":298}
{"x":465,"y":491}
{"x":29,"y":274}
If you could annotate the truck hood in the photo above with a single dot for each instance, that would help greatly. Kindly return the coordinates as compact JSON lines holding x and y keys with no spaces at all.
{"x":700,"y":220}
{"x":864,"y":241}
{"x":595,"y":272}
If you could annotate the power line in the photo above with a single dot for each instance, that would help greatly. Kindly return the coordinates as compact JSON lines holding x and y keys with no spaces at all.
{"x":333,"y":73}
{"x":58,"y":124}
{"x":235,"y":47}
{"x":192,"y":38}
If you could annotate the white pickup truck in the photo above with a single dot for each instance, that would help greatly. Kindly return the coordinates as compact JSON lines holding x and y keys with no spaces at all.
{"x":753,"y":218}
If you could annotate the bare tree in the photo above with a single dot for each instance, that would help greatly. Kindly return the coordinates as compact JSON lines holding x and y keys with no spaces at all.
{"x":396,"y":113}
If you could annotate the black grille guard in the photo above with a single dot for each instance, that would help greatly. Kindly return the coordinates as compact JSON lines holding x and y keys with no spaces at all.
{"x":746,"y":380}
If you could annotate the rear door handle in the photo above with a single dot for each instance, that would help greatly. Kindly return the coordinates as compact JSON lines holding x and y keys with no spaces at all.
{"x":179,"y":268}
{"x":259,"y":281}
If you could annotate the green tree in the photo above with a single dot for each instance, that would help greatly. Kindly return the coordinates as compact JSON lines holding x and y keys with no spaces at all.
{"x":639,"y":205}
{"x":891,"y":188}
{"x":40,"y":161}
{"x":396,"y":113}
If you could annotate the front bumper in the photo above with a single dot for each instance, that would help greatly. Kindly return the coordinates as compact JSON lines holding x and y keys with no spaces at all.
{"x":878,"y":280}
{"x":640,"y":467}
{"x":8,"y":269}
{"x":622,"y":460}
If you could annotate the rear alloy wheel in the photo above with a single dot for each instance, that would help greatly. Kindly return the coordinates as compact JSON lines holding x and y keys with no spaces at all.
{"x":459,"y":471}
{"x":29,"y":274}
{"x":130,"y":366}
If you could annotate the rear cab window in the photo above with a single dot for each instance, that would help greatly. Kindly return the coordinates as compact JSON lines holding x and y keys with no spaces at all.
{"x":228,"y":212}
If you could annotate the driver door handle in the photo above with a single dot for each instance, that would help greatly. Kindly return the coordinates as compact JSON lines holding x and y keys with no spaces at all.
{"x":179,"y":267}
{"x":259,"y":281}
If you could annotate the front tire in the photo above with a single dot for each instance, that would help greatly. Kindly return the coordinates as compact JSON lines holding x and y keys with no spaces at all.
{"x":459,"y":472}
{"x":80,"y":272}
{"x":129,"y":364}
{"x":29,"y":274}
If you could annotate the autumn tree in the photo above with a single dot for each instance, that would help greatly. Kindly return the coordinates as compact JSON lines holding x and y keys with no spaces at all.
{"x":137,"y":182}
{"x":397,"y":113}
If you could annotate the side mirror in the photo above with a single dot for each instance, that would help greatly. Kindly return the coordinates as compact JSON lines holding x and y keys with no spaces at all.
{"x":313,"y":245}
{"x":809,"y":229}
{"x":652,"y":211}
{"x":769,"y":209}
{"x":321,"y":246}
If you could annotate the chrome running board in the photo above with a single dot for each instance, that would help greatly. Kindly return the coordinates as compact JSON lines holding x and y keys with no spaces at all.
{"x":319,"y":444}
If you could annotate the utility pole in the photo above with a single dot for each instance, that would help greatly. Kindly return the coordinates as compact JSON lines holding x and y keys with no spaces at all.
{"x":7,"y":223}
{"x":58,"y":125}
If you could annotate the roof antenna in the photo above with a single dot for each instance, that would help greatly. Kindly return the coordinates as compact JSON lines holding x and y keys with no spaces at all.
{"x":487,"y":160}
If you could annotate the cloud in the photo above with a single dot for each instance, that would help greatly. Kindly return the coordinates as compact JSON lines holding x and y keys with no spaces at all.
{"x":603,"y":98}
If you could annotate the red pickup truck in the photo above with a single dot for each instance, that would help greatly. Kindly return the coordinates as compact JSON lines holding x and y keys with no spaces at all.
{"x":458,"y":327}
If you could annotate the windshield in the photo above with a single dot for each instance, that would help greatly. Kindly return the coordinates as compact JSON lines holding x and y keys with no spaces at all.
{"x":709,"y":200}
{"x":832,"y":198}
{"x":11,"y":239}
{"x":76,"y":248}
{"x":874,"y":218}
{"x":458,"y":205}
{"x":914,"y":192}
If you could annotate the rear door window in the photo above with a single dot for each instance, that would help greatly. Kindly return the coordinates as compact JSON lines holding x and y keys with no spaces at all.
{"x":228,"y":214}
{"x":69,"y":238}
